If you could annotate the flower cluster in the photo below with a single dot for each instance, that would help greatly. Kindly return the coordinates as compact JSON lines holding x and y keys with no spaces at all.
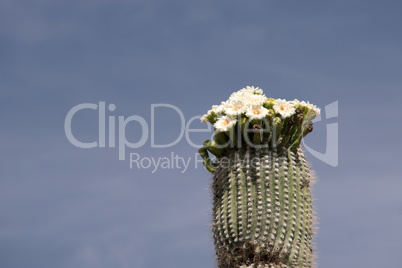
{"x":249,"y":118}
{"x":250,"y":102}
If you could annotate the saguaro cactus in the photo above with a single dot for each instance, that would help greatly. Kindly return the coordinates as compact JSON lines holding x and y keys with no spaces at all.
{"x":262,"y":206}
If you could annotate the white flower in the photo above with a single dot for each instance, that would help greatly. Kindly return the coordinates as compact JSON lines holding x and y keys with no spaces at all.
{"x":237,"y":97}
{"x":311,"y":106}
{"x":244,"y":94}
{"x":218,"y":109}
{"x":204,"y":118}
{"x":235,"y":108}
{"x":284,"y":108}
{"x":256,"y":112}
{"x":317,"y":110}
{"x":253,"y":100}
{"x":251,"y":90}
{"x":224,"y":123}
{"x":295,"y":102}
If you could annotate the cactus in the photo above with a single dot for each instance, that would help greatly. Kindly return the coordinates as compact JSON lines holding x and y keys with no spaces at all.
{"x":262,"y":205}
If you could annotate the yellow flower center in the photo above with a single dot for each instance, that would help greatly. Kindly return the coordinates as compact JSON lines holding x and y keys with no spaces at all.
{"x":283,"y":107}
{"x":237,"y":107}
{"x":225,"y":122}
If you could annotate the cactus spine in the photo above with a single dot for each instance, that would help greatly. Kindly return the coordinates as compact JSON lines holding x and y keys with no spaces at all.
{"x":262,"y":212}
{"x":262,"y":205}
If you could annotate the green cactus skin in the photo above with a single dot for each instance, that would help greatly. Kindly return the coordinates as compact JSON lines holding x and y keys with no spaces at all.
{"x":262,"y":205}
{"x":262,"y":209}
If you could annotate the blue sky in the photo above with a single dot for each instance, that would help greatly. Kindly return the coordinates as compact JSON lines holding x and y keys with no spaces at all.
{"x":63,"y":206}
